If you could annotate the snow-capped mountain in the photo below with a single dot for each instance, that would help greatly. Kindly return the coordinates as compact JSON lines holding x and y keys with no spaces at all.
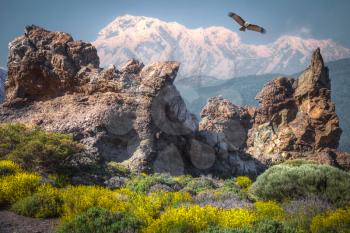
{"x":213,"y":51}
{"x":3,"y":74}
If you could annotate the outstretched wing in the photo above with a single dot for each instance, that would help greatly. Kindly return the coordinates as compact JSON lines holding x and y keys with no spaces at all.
{"x":237,"y":18}
{"x":256,"y":28}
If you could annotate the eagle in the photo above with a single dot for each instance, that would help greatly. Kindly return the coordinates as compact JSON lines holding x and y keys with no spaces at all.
{"x":245,"y":25}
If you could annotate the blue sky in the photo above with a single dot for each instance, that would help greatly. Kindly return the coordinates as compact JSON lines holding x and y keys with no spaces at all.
{"x":321,"y":19}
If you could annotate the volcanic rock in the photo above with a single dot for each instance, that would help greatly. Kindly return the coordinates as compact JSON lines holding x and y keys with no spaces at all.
{"x":134,"y":115}
{"x":296,"y":118}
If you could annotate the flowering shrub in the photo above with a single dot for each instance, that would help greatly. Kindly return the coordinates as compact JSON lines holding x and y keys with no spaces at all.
{"x":244,"y":182}
{"x":184,"y":219}
{"x":269,"y":210}
{"x":233,"y":218}
{"x":337,"y":221}
{"x":78,"y":199}
{"x":149,"y":207}
{"x":45,"y":203}
{"x":8,"y":167}
{"x":17,"y":186}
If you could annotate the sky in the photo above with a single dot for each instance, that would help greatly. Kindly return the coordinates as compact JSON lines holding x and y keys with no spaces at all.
{"x":320,"y":19}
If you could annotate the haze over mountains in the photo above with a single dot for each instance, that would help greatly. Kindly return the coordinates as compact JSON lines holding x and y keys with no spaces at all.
{"x":215,"y":51}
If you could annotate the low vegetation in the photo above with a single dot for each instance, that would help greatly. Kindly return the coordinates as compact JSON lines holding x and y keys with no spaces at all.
{"x":295,"y":197}
{"x":291,"y":181}
{"x":35,"y":149}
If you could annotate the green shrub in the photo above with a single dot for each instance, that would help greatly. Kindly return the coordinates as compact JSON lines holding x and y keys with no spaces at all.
{"x":35,"y":149}
{"x":99,"y":220}
{"x":273,"y":226}
{"x":143,"y":183}
{"x":46,"y":203}
{"x":290,"y":182}
{"x":10,"y":136}
{"x":200,"y":184}
{"x":298,"y":162}
{"x":183,"y":180}
{"x":17,"y":186}
{"x":8,"y":168}
{"x":118,"y":169}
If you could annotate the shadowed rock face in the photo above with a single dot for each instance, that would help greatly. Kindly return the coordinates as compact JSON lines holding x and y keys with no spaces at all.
{"x":224,"y":127}
{"x":3,"y":74}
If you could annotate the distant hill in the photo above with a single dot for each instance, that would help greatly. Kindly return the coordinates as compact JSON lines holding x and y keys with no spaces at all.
{"x":242,"y":91}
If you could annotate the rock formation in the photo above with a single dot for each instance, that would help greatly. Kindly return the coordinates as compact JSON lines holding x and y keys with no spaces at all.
{"x":296,"y":118}
{"x":224,"y":127}
{"x":136,"y":116}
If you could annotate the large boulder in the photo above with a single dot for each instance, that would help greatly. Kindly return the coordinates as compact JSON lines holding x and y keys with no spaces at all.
{"x":224,"y":128}
{"x":134,"y":115}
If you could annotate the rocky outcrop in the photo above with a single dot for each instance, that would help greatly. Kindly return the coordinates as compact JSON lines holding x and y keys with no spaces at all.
{"x":296,"y":118}
{"x":134,"y":115}
{"x":44,"y":64}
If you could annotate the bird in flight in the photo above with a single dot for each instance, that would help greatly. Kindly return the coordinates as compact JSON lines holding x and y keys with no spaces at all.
{"x":245,"y":25}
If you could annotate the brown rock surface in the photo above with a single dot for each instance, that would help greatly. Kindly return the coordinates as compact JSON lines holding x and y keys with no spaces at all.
{"x":134,"y":115}
{"x":296,"y":118}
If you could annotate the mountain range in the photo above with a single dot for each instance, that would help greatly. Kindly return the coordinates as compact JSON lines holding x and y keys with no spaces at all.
{"x":214,"y":51}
